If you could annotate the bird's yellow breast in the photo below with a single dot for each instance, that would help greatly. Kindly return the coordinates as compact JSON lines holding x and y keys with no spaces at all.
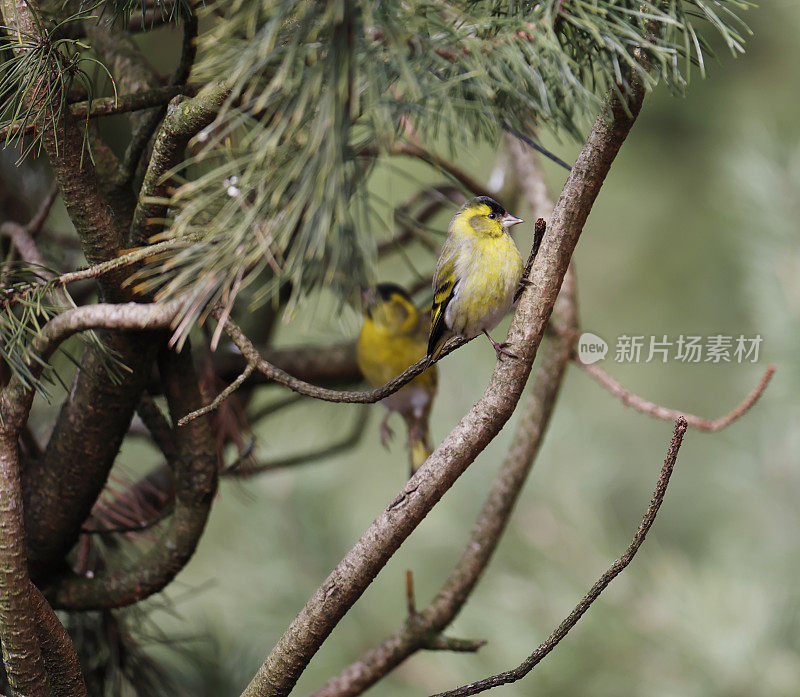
{"x":489,"y":270}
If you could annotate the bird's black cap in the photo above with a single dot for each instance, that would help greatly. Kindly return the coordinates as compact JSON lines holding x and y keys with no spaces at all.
{"x":386,"y":290}
{"x":494,"y":205}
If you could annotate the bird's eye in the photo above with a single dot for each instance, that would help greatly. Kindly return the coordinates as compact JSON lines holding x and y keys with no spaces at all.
{"x":492,"y":216}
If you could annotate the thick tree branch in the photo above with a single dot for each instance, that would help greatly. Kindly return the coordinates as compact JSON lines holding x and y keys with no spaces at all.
{"x":22,"y":656}
{"x":195,"y":471}
{"x":361,"y":564}
{"x":123,"y":316}
{"x":60,"y":660}
{"x":630,"y":399}
{"x":184,"y":119}
{"x":61,"y":487}
{"x":594,"y":592}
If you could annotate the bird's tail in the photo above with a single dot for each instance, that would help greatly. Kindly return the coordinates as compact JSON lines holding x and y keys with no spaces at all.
{"x":419,"y":444}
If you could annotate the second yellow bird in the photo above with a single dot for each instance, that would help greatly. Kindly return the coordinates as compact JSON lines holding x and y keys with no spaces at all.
{"x":392,"y":338}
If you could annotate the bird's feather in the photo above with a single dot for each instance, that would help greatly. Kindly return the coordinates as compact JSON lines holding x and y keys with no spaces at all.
{"x":444,"y":283}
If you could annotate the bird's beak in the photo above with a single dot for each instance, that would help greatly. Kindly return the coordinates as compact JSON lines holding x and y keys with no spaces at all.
{"x":509,"y":220}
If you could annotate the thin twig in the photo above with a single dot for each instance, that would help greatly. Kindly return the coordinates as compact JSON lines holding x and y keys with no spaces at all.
{"x":94,"y":271}
{"x":108,"y":106}
{"x":539,"y":228}
{"x":411,"y":603}
{"x":594,"y":592}
{"x":252,"y":356}
{"x":646,"y":407}
{"x":508,"y":128}
{"x":220,"y":398}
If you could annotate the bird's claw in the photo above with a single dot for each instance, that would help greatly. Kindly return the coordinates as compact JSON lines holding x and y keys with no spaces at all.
{"x":500,"y":351}
{"x":386,"y":434}
{"x":500,"y":348}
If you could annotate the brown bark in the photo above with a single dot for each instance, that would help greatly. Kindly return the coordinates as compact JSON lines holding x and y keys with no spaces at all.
{"x":22,"y":657}
{"x":195,"y":473}
{"x":60,"y":660}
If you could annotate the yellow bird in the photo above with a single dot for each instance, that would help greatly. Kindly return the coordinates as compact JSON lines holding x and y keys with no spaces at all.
{"x":393,"y":337}
{"x":478,"y":272}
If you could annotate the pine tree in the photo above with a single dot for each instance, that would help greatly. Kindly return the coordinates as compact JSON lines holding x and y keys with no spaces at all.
{"x":244,"y":187}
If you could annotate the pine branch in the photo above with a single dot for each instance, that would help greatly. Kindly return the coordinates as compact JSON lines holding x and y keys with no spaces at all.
{"x":302,"y":76}
{"x":107,"y":106}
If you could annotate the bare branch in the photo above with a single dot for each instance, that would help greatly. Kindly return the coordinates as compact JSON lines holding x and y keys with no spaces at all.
{"x":109,"y":106}
{"x":126,"y":316}
{"x":480,"y":425}
{"x":427,"y":625}
{"x":157,"y":425}
{"x":594,"y":592}
{"x":275,"y":374}
{"x":184,"y":119}
{"x":646,"y":407}
{"x":35,"y":224}
{"x":23,"y":242}
{"x":220,"y":398}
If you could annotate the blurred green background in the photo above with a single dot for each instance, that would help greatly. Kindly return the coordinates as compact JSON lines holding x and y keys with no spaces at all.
{"x":695,"y":232}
